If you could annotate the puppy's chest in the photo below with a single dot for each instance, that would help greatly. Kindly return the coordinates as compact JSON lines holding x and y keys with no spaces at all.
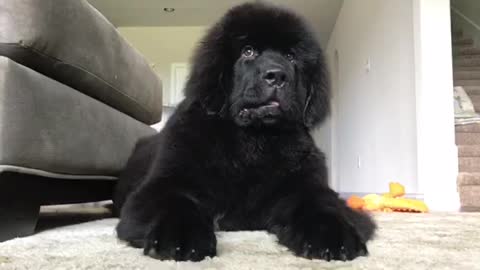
{"x":245,"y":159}
{"x":251,"y":174}
{"x":265,"y":156}
{"x":262,"y":162}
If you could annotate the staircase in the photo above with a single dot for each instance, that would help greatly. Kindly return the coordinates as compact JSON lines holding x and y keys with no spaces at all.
{"x":466,"y":73}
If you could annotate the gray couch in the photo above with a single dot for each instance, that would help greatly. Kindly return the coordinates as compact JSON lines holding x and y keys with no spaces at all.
{"x":74,"y":99}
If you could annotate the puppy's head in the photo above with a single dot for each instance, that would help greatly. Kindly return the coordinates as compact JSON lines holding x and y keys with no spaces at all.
{"x":261,"y":66}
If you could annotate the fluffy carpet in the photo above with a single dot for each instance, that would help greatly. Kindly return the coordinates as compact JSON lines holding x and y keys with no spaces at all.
{"x":404,"y":241}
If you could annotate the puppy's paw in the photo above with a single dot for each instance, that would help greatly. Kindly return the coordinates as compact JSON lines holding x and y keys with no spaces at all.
{"x":330,"y":243}
{"x":180,"y":241}
{"x":324,"y":237}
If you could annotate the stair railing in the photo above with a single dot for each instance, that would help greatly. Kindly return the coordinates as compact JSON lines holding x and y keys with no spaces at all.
{"x":469,"y":27}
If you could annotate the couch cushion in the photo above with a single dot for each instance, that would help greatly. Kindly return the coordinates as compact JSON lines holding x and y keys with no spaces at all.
{"x":73,"y":43}
{"x":46,"y":126}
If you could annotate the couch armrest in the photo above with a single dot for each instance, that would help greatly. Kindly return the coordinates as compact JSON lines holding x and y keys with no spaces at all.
{"x":71,"y":42}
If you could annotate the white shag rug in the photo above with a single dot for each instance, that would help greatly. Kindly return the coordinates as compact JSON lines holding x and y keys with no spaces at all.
{"x":404,"y":241}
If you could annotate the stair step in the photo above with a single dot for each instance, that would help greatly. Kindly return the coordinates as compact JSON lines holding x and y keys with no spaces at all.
{"x":457,"y":34}
{"x":469,"y":151}
{"x":468,"y":179}
{"x":467,"y":56}
{"x":472,"y":90}
{"x":475,"y":98}
{"x":467,"y":68}
{"x":463,"y":61}
{"x":469,"y":164}
{"x":466,"y":75}
{"x":470,"y":129}
{"x":467,"y":138}
{"x":469,"y":196}
{"x":456,"y":49}
{"x":463,"y":41}
{"x":467,"y":82}
{"x":466,"y":51}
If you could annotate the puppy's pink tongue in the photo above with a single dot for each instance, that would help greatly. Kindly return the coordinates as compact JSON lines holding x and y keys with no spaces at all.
{"x":274,"y":103}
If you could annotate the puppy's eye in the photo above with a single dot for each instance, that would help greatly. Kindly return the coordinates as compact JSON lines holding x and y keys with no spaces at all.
{"x":290,"y":57}
{"x":248,"y":51}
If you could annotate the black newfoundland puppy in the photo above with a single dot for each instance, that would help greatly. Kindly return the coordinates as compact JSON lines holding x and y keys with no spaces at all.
{"x":237,"y":153}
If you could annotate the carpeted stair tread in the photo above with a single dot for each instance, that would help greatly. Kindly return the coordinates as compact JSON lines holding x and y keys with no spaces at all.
{"x":472,"y":68}
{"x":457,"y":34}
{"x":468,"y":150}
{"x":476,"y":101}
{"x":458,"y":47}
{"x":467,"y":138}
{"x":466,"y":50}
{"x":469,"y":164}
{"x":468,"y":179}
{"x":472,"y":90}
{"x":467,"y":75}
{"x":467,"y":82}
{"x":466,"y":62}
{"x":469,"y":196}
{"x":470,"y":128}
{"x":467,"y":57}
{"x":463,"y":41}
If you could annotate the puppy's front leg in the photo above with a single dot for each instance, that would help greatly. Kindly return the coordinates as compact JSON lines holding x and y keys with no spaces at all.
{"x":315,"y":223}
{"x":170,"y":224}
{"x":309,"y":218}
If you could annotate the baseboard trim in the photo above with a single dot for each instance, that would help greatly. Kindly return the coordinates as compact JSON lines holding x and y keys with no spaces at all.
{"x":346,"y":195}
{"x":42,"y":173}
{"x":469,"y":209}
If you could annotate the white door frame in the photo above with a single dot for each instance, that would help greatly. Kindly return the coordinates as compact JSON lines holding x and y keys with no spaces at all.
{"x":437,"y":160}
{"x":177,"y":82}
{"x":333,"y":121}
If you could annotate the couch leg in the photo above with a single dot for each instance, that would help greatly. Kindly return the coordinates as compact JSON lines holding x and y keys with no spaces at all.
{"x":18,"y":219}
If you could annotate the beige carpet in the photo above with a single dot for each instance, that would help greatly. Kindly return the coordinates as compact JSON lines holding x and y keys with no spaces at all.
{"x":404,"y":241}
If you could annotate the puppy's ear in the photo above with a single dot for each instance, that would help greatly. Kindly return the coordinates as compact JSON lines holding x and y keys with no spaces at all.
{"x":210,"y":77}
{"x":317,"y":101}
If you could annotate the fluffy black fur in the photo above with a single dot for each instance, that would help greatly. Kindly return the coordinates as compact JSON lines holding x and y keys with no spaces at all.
{"x":237,"y":153}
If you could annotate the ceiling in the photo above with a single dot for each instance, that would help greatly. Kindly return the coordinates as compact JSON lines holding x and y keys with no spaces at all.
{"x":321,"y":13}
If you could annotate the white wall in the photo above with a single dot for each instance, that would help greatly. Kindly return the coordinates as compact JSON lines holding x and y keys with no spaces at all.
{"x":397,"y":115}
{"x":163,"y":46}
{"x":374,"y":136}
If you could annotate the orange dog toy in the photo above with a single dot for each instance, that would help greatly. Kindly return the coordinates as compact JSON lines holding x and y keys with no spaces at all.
{"x":388,"y":202}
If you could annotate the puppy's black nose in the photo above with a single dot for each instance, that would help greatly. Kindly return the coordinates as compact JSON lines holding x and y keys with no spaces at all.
{"x":275,"y":77}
